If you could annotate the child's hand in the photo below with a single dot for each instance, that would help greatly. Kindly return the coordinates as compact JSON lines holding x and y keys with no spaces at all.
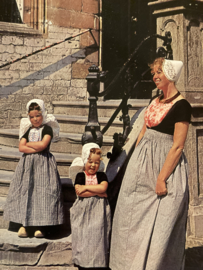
{"x":80,"y":189}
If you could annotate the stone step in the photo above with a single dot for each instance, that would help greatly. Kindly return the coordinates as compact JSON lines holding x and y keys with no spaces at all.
{"x":9,"y":158}
{"x":76,"y":124}
{"x":53,"y":252}
{"x":24,"y":267}
{"x":71,"y":143}
{"x":5,"y":180}
{"x":67,"y":186}
{"x":4,"y":224}
{"x":68,"y":143}
{"x":20,"y":28}
{"x":104,"y":108}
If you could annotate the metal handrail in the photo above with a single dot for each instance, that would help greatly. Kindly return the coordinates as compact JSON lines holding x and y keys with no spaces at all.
{"x":43,"y":49}
{"x":92,"y":129}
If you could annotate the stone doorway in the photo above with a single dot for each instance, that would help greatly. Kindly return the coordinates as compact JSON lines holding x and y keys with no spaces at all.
{"x":124,"y":25}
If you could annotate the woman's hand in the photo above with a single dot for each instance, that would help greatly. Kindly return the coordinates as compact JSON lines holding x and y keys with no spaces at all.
{"x":173,"y":157}
{"x":161,"y":189}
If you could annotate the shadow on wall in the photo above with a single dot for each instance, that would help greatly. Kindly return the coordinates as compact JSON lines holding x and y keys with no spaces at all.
{"x":42,"y":74}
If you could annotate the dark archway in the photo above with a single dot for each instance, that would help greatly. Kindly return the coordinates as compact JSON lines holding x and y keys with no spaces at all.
{"x":125,"y":25}
{"x":9,"y":11}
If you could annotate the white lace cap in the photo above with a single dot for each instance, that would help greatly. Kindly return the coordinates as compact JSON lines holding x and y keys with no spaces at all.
{"x":48,"y":119}
{"x":172,"y":69}
{"x":81,"y":161}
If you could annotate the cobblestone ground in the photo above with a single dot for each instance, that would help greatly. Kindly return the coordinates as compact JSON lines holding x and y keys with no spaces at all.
{"x":194,"y":261}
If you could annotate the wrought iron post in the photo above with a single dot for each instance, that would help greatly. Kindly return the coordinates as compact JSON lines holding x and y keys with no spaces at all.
{"x":92,"y":129}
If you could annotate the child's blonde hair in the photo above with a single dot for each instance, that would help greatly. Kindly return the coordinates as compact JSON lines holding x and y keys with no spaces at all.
{"x":95,"y":151}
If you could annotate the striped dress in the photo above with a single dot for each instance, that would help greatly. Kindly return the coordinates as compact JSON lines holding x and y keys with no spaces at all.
{"x":35,"y":197}
{"x":149,"y":231}
{"x":90,"y":226}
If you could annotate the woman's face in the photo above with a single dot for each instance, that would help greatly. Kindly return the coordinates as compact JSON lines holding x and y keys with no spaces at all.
{"x":159,"y":78}
{"x":36,"y":118}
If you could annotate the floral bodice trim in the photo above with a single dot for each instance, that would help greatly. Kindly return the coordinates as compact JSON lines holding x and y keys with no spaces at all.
{"x":35,"y":135}
{"x":90,"y":179}
{"x":156,"y":112}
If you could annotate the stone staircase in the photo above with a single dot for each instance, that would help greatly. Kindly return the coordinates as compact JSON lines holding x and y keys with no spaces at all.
{"x":72,"y":118}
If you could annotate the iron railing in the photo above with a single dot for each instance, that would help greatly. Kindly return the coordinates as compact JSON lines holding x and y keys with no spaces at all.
{"x":95,"y":77}
{"x":92,"y":129}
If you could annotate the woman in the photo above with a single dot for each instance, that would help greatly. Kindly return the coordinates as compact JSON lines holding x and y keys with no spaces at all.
{"x":149,"y":224}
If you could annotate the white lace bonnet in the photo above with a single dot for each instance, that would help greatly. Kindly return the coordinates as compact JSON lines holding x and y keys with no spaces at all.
{"x":172,"y":69}
{"x":81,"y":161}
{"x":48,"y":119}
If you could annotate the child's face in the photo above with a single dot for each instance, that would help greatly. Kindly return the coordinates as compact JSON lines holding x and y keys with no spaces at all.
{"x":36,"y":118}
{"x":92,"y":165}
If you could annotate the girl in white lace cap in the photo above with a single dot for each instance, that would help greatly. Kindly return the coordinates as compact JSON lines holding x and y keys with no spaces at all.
{"x":34,"y":198}
{"x":90,"y":214}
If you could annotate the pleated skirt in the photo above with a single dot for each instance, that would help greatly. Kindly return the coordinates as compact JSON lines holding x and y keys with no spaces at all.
{"x":90,"y":227}
{"x":35,"y":197}
{"x":148,"y":231}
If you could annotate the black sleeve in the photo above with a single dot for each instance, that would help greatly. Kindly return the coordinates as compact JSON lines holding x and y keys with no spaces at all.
{"x":183,"y":111}
{"x":80,"y":179}
{"x":101,"y":176}
{"x":47,"y":130}
{"x":25,"y":136}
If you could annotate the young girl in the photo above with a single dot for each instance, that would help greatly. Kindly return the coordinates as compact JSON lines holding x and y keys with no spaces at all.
{"x":34,"y":197}
{"x":90,"y":214}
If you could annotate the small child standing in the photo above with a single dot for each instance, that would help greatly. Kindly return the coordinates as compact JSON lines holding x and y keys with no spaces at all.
{"x":34,"y":198}
{"x":90,"y":214}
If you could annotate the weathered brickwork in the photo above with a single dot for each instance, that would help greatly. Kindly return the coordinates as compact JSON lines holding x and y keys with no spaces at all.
{"x":55,"y":74}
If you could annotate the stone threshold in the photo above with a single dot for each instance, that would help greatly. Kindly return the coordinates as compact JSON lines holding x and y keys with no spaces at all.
{"x":35,"y":253}
{"x":18,"y":29}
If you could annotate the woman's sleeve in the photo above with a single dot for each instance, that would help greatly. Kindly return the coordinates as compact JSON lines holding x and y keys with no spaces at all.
{"x":47,"y":130}
{"x":183,"y":111}
{"x":80,"y":179}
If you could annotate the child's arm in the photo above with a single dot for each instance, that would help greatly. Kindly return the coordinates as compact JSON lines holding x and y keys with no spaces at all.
{"x":41,"y":145}
{"x":24,"y":148}
{"x":87,"y":194}
{"x":98,"y":189}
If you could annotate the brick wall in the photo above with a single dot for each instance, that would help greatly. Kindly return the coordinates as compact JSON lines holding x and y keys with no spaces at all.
{"x":57,"y":73}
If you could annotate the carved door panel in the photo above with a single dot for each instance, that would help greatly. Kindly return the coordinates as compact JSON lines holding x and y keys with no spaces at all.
{"x":35,"y":14}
